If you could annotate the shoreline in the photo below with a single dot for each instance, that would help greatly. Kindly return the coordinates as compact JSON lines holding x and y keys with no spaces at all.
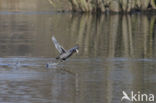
{"x":146,"y":12}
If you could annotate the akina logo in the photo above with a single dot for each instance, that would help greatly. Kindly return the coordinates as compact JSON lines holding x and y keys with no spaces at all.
{"x":138,"y":97}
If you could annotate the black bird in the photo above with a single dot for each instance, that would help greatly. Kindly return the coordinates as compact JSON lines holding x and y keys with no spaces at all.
{"x":63,"y":53}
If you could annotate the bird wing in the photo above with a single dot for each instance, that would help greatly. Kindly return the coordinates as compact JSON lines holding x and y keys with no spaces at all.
{"x":58,"y":46}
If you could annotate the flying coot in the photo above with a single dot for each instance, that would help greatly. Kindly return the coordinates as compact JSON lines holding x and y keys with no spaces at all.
{"x":64,"y":54}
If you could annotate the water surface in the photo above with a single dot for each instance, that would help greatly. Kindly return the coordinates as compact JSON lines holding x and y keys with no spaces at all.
{"x":117,"y":52}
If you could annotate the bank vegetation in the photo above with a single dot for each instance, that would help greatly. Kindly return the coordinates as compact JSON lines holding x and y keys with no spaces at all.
{"x":111,"y":5}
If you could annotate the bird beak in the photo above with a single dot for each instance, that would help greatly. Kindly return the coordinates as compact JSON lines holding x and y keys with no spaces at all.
{"x":77,"y":51}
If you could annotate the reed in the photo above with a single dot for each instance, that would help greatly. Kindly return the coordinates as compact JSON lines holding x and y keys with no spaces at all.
{"x":112,"y":5}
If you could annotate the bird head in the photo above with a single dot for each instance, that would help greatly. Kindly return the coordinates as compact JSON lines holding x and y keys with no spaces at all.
{"x":75,"y":49}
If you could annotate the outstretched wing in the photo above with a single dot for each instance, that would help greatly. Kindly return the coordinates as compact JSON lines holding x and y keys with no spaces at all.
{"x":58,"y":46}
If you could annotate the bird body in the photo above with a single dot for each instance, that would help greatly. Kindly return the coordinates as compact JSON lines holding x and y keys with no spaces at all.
{"x":64,"y":54}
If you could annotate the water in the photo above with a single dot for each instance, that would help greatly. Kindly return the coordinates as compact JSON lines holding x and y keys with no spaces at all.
{"x":117,"y":52}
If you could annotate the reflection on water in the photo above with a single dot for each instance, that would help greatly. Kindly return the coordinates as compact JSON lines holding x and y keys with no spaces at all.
{"x":117,"y":52}
{"x":109,"y":36}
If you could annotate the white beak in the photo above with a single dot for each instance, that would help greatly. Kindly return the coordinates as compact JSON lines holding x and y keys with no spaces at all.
{"x":77,"y":51}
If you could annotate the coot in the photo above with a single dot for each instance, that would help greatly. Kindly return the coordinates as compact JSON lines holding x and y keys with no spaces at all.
{"x":64,"y":54}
